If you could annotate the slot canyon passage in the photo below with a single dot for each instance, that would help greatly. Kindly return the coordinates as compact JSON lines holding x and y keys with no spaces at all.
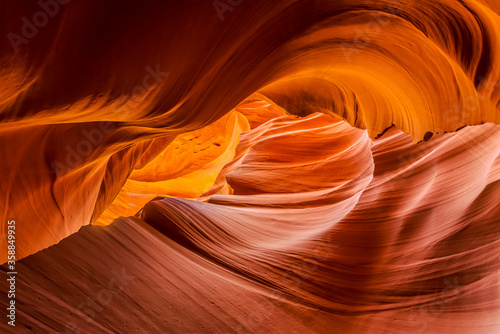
{"x":247,"y":166}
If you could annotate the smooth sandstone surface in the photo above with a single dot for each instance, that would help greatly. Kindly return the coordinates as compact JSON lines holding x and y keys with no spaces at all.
{"x":275,"y":167}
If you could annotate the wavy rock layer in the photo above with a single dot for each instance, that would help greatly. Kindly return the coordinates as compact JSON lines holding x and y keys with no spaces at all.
{"x":436,"y":70}
{"x":266,"y":155}
{"x":395,"y":238}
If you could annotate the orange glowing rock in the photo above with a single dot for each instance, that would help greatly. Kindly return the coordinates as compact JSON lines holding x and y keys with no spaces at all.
{"x":186,"y":168}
